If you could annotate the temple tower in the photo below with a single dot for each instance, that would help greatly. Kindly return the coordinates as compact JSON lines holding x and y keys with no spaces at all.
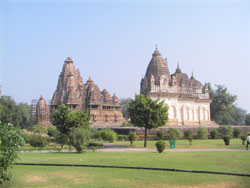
{"x":42,"y":113}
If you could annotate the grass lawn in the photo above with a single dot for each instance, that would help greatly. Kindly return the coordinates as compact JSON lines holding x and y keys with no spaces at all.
{"x":196,"y":144}
{"x":62,"y":177}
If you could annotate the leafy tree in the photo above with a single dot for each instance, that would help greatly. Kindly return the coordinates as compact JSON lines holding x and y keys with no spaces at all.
{"x":10,"y":140}
{"x":214,"y":133}
{"x":202,"y":132}
{"x":159,"y":134}
{"x":238,"y":115}
{"x":243,"y":137}
{"x":236,"y":132}
{"x":62,"y":139}
{"x":188,"y":134}
{"x":226,"y":133}
{"x":131,"y":137}
{"x":108,"y":135}
{"x":79,"y":137}
{"x":52,"y":131}
{"x":24,"y":115}
{"x":38,"y":129}
{"x":124,"y":105}
{"x":222,"y":105}
{"x":147,"y":113}
{"x":247,"y":119}
{"x":160,"y":145}
{"x":38,"y":141}
{"x":173,"y":133}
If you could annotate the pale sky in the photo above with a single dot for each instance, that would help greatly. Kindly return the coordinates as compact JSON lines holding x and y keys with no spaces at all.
{"x":113,"y":41}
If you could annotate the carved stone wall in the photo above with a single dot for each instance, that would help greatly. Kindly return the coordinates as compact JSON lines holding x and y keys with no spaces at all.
{"x":42,"y":113}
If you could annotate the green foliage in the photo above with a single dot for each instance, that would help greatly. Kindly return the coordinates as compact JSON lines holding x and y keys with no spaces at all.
{"x":64,"y":119}
{"x":188,"y":134}
{"x":38,"y":129}
{"x":108,"y":135}
{"x":126,"y":124}
{"x":202,"y":133}
{"x":236,"y":132}
{"x":160,"y":145}
{"x":124,"y":105}
{"x":52,"y":131}
{"x":79,"y":138}
{"x":96,"y":134}
{"x":247,"y":119}
{"x":243,"y":137}
{"x":122,"y":137}
{"x":173,"y":133}
{"x":147,"y":113}
{"x":62,"y":139}
{"x":226,"y":133}
{"x":159,"y":134}
{"x":94,"y":145}
{"x":214,"y":133}
{"x":38,"y":141}
{"x":10,"y":140}
{"x":131,"y":137}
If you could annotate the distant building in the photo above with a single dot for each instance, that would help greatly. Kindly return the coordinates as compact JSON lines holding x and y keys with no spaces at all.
{"x":72,"y":92}
{"x":42,"y":113}
{"x":187,"y":99}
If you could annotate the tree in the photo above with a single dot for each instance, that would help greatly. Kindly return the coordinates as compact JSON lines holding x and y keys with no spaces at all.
{"x":236,"y":132}
{"x":124,"y":105}
{"x":79,"y":137}
{"x":131,"y":137}
{"x":222,"y":106}
{"x":10,"y":140}
{"x":202,"y":132}
{"x":173,"y":133}
{"x":147,"y":113}
{"x":226,"y":133}
{"x":188,"y":134}
{"x":108,"y":135}
{"x":62,"y":139}
{"x":38,"y":129}
{"x":214,"y":133}
{"x":159,"y":134}
{"x":24,"y":115}
{"x":247,"y":119}
{"x":160,"y":145}
{"x":238,"y":115}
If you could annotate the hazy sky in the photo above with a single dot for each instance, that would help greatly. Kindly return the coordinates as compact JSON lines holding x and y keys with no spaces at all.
{"x":113,"y":42}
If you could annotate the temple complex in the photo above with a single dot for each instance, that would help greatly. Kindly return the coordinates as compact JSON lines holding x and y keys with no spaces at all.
{"x":187,"y":99}
{"x":42,"y":113}
{"x":72,"y":92}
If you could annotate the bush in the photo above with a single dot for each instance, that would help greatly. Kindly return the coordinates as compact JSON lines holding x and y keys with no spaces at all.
{"x":10,"y":140}
{"x":131,"y":137}
{"x":126,"y":124}
{"x":38,"y":129}
{"x":26,"y":137}
{"x":62,"y":139}
{"x":243,"y":137}
{"x":52,"y":131}
{"x":173,"y":133}
{"x":122,"y":138}
{"x":95,"y":145}
{"x":160,"y":145}
{"x":79,"y":138}
{"x":108,"y":135}
{"x":226,"y":133}
{"x":214,"y":133}
{"x":159,"y":134}
{"x":38,"y":141}
{"x":236,"y":132}
{"x":202,"y":133}
{"x":96,"y":134}
{"x":188,"y":134}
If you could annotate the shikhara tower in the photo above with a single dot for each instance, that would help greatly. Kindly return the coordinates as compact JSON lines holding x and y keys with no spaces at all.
{"x":187,"y":99}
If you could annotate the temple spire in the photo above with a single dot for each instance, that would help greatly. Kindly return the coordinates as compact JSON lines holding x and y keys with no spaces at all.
{"x":178,"y":70}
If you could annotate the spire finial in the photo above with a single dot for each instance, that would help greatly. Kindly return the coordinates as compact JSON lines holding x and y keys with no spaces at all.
{"x":178,"y":65}
{"x":178,"y":70}
{"x":192,"y":76}
{"x":156,"y":47}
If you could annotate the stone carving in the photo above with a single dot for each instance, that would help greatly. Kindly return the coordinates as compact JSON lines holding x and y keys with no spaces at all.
{"x":42,"y":113}
{"x":178,"y":91}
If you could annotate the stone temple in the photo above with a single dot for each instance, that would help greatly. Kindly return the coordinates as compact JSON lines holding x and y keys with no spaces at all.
{"x":187,"y":99}
{"x":72,"y":92}
{"x":42,"y":113}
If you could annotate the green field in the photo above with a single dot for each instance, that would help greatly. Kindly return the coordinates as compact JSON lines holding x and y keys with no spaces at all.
{"x":55,"y":177}
{"x":196,"y":144}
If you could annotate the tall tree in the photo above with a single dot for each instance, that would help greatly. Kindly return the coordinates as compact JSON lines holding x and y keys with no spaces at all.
{"x":9,"y":112}
{"x":247,"y":119}
{"x":222,"y":106}
{"x":24,"y":115}
{"x":147,"y":113}
{"x":124,"y":105}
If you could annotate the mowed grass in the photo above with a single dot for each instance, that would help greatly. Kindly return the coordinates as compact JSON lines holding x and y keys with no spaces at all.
{"x":196,"y":144}
{"x":55,"y":177}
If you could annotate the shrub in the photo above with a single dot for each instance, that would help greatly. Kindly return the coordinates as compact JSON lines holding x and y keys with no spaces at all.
{"x":159,"y":134}
{"x":108,"y":135}
{"x":126,"y":124}
{"x":160,"y":145}
{"x":236,"y":132}
{"x":96,"y":134}
{"x":62,"y":139}
{"x":214,"y":133}
{"x":52,"y":131}
{"x":243,"y":137}
{"x":38,"y":141}
{"x":79,"y":138}
{"x":173,"y":133}
{"x":226,"y":133}
{"x":95,"y":145}
{"x":38,"y":129}
{"x":122,"y":138}
{"x":202,"y":133}
{"x":131,"y":137}
{"x":188,"y":134}
{"x":10,"y":140}
{"x":26,"y":137}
